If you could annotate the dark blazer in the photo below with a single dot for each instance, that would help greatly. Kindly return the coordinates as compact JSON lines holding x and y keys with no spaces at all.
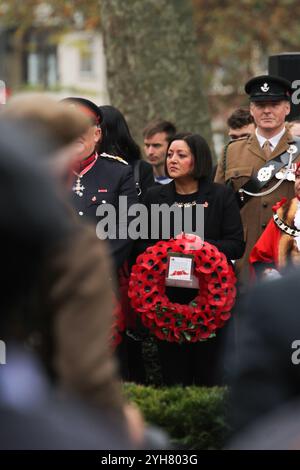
{"x":266,"y":377}
{"x":222,"y":221}
{"x":104,"y":183}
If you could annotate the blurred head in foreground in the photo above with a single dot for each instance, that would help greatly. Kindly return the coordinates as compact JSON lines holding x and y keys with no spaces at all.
{"x":55,"y":125}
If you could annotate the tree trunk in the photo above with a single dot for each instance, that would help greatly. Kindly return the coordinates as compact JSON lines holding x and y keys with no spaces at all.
{"x":153,"y":66}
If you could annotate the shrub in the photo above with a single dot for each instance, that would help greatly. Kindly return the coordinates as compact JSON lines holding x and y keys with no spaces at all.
{"x":194,"y":417}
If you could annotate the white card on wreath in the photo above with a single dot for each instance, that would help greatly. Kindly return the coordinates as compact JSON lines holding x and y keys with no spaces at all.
{"x":180,"y":268}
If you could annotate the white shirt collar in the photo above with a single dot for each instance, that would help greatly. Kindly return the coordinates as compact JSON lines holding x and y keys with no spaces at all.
{"x":162,"y":179}
{"x":273,"y":141}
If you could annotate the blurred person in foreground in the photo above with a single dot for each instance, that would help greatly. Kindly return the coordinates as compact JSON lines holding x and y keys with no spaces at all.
{"x":32,"y":224}
{"x":278,"y":430}
{"x":73,"y":300}
{"x":267,"y":376}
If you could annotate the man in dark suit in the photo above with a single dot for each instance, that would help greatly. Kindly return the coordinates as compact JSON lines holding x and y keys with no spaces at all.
{"x":268,"y":371}
{"x":157,"y":135}
{"x":102,"y":179}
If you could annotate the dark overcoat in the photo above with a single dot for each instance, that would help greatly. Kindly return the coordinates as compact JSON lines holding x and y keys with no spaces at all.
{"x":104,"y":183}
{"x":222,"y":221}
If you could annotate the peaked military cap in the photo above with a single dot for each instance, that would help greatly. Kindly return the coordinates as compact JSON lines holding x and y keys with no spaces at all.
{"x":88,"y":107}
{"x":268,"y":88}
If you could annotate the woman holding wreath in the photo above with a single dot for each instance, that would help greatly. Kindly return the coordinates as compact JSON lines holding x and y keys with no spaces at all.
{"x":189,"y":164}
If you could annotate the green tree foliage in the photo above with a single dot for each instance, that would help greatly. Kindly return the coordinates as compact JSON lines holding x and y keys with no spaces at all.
{"x":236,"y":38}
{"x":60,"y":13}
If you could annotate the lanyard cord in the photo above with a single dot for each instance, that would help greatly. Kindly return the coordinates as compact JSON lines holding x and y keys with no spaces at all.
{"x":269,"y":191}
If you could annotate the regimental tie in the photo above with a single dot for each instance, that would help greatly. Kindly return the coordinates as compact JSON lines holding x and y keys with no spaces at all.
{"x":267,"y":149}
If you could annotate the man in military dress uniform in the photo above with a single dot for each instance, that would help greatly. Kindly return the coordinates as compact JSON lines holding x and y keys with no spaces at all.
{"x":101,"y":179}
{"x":258,"y":166}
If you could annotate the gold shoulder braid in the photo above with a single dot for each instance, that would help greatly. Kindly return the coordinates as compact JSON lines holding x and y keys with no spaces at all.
{"x":113,"y":157}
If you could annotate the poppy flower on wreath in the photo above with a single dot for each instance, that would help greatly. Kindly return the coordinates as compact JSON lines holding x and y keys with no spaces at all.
{"x":205,"y":314}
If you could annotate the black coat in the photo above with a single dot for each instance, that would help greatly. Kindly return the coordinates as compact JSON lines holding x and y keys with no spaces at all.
{"x":104,"y":183}
{"x":265,"y":377}
{"x":222,"y":222}
{"x":196,"y":363}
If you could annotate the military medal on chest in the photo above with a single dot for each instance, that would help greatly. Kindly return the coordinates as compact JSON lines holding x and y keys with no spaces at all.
{"x":265,"y":173}
{"x":288,"y":172}
{"x":78,"y":188}
{"x":285,"y":173}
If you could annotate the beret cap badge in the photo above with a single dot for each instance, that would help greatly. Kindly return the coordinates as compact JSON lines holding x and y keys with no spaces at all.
{"x":265,"y":87}
{"x":268,"y":88}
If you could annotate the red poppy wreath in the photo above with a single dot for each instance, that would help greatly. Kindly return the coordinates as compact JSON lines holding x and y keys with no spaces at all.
{"x":118,"y":325}
{"x":206,"y":313}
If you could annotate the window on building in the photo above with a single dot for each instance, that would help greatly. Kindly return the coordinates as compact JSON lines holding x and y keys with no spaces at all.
{"x":41,"y":60}
{"x":86,"y":59}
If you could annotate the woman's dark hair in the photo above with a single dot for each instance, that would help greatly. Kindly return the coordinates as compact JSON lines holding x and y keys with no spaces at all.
{"x":200,"y":151}
{"x":117,"y":139}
